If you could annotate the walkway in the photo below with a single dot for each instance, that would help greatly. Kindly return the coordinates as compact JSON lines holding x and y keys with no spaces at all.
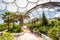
{"x":28,"y":35}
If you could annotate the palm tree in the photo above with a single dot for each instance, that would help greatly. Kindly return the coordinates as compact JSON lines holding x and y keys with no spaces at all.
{"x":13,"y":18}
{"x":6,"y":18}
{"x":21,"y":18}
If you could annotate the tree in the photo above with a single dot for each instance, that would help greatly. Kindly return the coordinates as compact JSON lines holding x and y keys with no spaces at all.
{"x":21,"y":18}
{"x":44,"y":19}
{"x":13,"y":18}
{"x":6,"y":18}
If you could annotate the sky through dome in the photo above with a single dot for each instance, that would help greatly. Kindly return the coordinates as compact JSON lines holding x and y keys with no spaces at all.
{"x":24,"y":5}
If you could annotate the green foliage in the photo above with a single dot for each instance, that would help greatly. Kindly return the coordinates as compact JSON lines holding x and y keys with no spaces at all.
{"x":21,"y":18}
{"x":56,"y":23}
{"x":3,"y":27}
{"x":38,"y":28}
{"x":52,"y":29}
{"x":32,"y":26}
{"x":7,"y":36}
{"x":44,"y":20}
{"x":43,"y":29}
{"x":37,"y":31}
{"x":6,"y":18}
{"x":16,"y":29}
{"x":10,"y":17}
{"x":51,"y":23}
{"x":35,"y":27}
{"x":54,"y":33}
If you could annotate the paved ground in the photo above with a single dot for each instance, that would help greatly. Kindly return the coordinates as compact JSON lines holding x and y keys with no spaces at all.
{"x":28,"y":35}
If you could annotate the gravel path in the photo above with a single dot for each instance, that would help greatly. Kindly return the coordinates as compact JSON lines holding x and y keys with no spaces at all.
{"x":28,"y":35}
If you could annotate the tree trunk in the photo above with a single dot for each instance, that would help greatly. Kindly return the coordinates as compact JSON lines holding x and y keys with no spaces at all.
{"x":13,"y":25}
{"x":8,"y":26}
{"x":8,"y":23}
{"x":21,"y":23}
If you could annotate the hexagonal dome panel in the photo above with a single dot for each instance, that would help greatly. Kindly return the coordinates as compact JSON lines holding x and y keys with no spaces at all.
{"x":12,"y":7}
{"x":7,"y":1}
{"x":21,"y":3}
{"x":2,"y":6}
{"x":30,"y":5}
{"x":22,"y":10}
{"x":32,"y":0}
{"x":0,"y":1}
{"x":39,"y":9}
{"x":42,"y":1}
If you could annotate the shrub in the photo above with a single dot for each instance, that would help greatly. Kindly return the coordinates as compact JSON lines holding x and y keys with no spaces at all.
{"x":54,"y":33}
{"x":37,"y":31}
{"x":3,"y":27}
{"x":31,"y":26}
{"x":16,"y":29}
{"x":44,"y":29}
{"x":7,"y":36}
{"x":34,"y":27}
{"x":57,"y":23}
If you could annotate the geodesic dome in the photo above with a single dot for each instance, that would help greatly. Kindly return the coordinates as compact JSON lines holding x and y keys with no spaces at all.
{"x":28,"y":5}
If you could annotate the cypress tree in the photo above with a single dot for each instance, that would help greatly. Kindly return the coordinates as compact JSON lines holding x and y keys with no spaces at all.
{"x":44,"y":19}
